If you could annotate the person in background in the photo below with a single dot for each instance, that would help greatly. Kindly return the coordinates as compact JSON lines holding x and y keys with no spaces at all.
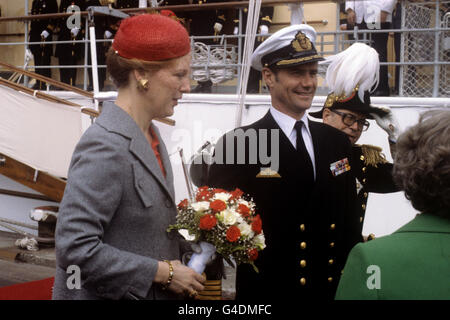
{"x":349,"y":111}
{"x":202,"y":23}
{"x":413,"y":262}
{"x":305,"y":192}
{"x":119,"y":198}
{"x":265,"y":21}
{"x":105,"y":28}
{"x":41,"y":30}
{"x":70,"y":53}
{"x":369,"y":15}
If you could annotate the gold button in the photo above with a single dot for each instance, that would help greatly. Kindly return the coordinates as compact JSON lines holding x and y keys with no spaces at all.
{"x":364,"y":169}
{"x":302,"y":263}
{"x":302,"y":227}
{"x":302,"y":281}
{"x":331,"y":244}
{"x":363,"y":206}
{"x":332,"y":226}
{"x":330,"y":279}
{"x":331,"y":261}
{"x":365,"y":194}
{"x":303,"y":245}
{"x":360,"y":219}
{"x":364,"y":180}
{"x":362,"y":157}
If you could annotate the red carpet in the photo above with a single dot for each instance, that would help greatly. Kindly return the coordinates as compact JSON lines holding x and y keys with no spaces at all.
{"x":34,"y":290}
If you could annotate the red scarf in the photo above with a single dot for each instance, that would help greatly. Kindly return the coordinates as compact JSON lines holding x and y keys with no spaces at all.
{"x":155,"y":144}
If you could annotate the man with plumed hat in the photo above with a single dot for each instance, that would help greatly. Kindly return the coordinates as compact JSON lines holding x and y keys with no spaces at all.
{"x":119,"y":199}
{"x":305,"y":194}
{"x":350,"y":76}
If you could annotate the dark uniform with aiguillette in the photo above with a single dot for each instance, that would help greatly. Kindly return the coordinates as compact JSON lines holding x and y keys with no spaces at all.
{"x":373,"y":174}
{"x":372,"y":171}
{"x":42,"y":52}
{"x":307,"y":213}
{"x":70,"y":53}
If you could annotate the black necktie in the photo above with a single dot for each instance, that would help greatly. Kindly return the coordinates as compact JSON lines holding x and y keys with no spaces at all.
{"x":301,"y":149}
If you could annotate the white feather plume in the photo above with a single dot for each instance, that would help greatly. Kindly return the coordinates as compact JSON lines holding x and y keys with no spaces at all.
{"x":358,"y":65}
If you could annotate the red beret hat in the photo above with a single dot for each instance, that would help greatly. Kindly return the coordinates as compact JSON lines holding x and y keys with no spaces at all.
{"x":151,"y":37}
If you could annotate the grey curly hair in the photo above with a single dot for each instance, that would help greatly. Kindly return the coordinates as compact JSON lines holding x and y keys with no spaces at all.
{"x":422,"y":163}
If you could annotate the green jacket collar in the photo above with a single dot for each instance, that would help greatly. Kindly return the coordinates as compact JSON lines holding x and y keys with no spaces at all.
{"x":426,"y":222}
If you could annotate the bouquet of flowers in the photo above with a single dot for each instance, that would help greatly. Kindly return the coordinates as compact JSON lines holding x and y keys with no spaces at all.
{"x":223,"y":222}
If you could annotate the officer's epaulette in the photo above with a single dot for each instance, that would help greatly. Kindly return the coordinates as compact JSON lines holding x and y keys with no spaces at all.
{"x":372,"y":155}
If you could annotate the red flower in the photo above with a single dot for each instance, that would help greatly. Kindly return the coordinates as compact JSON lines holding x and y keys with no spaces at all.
{"x":236,"y":194}
{"x":218,"y":205}
{"x":253,"y":254}
{"x":243,"y":210}
{"x":203,"y":195}
{"x":218,"y":190}
{"x":183,"y":204}
{"x":233,"y":234}
{"x":257,"y":224}
{"x":207,"y":222}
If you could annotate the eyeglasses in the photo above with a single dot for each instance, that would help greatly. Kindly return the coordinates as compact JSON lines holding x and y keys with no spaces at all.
{"x":349,"y":119}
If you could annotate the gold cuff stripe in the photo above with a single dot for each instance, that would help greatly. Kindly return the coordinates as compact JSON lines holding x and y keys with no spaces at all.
{"x":266,"y":18}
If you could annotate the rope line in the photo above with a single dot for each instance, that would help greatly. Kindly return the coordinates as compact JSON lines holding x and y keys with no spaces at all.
{"x":213,"y":62}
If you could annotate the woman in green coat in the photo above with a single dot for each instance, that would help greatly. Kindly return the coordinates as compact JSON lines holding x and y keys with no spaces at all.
{"x":414,"y":262}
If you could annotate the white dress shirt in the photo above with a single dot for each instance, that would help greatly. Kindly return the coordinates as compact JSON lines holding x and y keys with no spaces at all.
{"x":287,"y":123}
{"x":371,"y":9}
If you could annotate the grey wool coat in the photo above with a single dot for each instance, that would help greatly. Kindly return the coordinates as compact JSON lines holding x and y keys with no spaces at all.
{"x":114,"y":214}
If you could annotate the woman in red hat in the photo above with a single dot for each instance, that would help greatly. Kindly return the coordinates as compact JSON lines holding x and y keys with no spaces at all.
{"x":119,"y":198}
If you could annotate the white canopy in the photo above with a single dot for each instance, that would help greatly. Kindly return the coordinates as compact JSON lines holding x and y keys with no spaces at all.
{"x":37,"y":132}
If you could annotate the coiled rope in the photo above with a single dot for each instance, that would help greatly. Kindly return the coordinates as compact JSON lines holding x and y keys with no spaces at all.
{"x":213,"y":62}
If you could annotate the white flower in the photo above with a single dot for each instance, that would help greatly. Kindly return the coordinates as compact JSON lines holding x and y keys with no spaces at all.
{"x":229,"y":217}
{"x":246,"y":229}
{"x":260,"y":241}
{"x":222,"y":196}
{"x":200,"y":206}
{"x":245,"y":203}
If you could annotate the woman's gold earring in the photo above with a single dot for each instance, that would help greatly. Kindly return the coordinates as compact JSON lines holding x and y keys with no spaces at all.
{"x":142,"y":84}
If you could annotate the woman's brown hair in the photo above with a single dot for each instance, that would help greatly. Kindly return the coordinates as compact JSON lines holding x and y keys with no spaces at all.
{"x":120,"y":68}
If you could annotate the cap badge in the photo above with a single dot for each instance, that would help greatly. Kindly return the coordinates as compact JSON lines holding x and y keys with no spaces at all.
{"x":332,"y":98}
{"x":301,"y":42}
